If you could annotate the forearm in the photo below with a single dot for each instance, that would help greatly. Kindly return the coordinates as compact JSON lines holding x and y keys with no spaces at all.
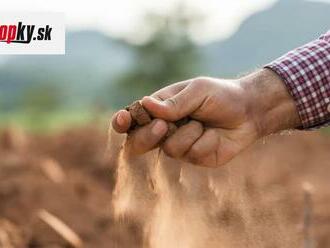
{"x":269,"y":102}
{"x":305,"y":72}
{"x":293,"y":91}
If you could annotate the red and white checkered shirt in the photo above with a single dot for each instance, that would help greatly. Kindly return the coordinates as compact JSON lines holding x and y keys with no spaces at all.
{"x":306,"y":73}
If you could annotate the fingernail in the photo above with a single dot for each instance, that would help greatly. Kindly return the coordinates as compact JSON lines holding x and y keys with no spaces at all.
{"x":120,"y":119}
{"x":159,"y":128}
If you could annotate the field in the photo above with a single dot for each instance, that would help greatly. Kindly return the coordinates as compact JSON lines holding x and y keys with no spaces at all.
{"x":276,"y":194}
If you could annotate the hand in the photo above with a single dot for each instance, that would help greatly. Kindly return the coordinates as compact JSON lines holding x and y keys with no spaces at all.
{"x":228,"y":115}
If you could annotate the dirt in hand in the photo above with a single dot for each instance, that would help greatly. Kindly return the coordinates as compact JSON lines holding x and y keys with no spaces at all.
{"x":139,"y":114}
{"x":141,"y":117}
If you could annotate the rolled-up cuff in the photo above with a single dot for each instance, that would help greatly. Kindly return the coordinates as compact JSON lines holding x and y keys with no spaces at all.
{"x":306,"y":73}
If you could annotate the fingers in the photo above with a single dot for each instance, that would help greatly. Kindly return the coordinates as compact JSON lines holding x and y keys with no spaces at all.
{"x":210,"y":161}
{"x":204,"y":150}
{"x":121,"y":121}
{"x":192,"y":144}
{"x":175,"y":107}
{"x":184,"y":137}
{"x":170,"y":90}
{"x":146,"y":138}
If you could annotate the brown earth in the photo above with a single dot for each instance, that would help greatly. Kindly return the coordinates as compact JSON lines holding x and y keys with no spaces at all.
{"x":68,"y":175}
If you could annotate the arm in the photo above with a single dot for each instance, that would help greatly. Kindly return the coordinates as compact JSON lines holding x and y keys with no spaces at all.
{"x":229,"y":115}
{"x":306,"y":73}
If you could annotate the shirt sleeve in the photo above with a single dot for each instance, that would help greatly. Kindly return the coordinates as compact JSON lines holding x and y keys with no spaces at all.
{"x":306,"y":73}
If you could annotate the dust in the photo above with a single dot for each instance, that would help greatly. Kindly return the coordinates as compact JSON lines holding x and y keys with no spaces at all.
{"x":255,"y":201}
{"x":180,"y":205}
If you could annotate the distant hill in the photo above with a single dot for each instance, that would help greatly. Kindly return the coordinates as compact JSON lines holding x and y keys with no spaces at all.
{"x":268,"y":34}
{"x":91,"y":61}
{"x":94,"y":60}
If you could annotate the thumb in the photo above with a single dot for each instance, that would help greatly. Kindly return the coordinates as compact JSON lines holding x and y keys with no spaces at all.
{"x":174,"y":108}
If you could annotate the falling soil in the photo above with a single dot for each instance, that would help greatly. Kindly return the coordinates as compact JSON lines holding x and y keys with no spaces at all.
{"x":153,"y":201}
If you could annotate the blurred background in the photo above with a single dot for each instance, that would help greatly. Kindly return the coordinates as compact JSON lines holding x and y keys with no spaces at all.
{"x":54,"y":110}
{"x":118,"y":51}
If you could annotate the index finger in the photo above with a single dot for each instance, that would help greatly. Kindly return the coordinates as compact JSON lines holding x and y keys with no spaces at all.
{"x":170,"y":90}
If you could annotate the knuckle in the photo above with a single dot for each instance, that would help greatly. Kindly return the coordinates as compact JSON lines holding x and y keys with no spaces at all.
{"x":200,"y":79}
{"x":171,"y":149}
{"x":200,"y":82}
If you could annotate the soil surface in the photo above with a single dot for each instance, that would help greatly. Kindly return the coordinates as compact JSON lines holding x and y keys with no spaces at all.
{"x":68,"y":175}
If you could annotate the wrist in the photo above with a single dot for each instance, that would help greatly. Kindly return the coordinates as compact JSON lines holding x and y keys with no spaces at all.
{"x":270,"y":105}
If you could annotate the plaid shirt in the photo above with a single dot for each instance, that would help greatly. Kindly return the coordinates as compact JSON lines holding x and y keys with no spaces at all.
{"x":306,"y":73}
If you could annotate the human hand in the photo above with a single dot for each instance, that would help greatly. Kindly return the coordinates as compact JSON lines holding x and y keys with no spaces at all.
{"x":227,"y":116}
